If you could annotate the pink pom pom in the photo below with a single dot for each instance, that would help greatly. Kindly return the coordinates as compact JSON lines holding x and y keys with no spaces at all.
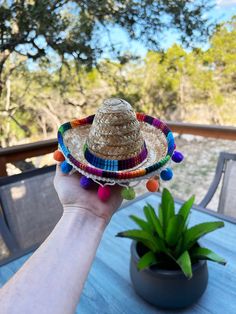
{"x":104,"y":193}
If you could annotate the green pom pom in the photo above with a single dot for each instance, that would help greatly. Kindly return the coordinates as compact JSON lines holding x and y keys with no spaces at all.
{"x":128,"y":193}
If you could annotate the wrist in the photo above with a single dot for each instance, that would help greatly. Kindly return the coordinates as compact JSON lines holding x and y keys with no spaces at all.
{"x":83,"y":214}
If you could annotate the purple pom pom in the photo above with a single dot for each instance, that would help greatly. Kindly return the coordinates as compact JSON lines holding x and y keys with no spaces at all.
{"x":177,"y":156}
{"x":85,"y":182}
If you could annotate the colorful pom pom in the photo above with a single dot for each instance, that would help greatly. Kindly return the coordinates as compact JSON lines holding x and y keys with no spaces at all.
{"x":85,"y":182}
{"x":166,"y":174}
{"x":177,"y":156}
{"x":152,"y":185}
{"x":128,"y":193}
{"x":58,"y":156}
{"x":104,"y":193}
{"x":65,"y":167}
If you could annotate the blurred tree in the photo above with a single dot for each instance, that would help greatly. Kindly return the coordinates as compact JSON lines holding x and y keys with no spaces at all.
{"x":167,"y":80}
{"x":191,"y":85}
{"x":221,"y":56}
{"x":56,"y":31}
{"x":34,"y":28}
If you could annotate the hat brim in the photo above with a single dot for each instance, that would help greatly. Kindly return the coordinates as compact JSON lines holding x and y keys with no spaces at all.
{"x":158,"y":138}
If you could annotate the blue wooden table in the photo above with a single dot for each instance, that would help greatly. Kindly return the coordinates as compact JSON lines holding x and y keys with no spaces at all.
{"x":108,"y":289}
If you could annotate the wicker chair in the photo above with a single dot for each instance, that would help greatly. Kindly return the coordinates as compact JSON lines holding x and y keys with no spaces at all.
{"x":29,"y":210}
{"x":226,"y":168}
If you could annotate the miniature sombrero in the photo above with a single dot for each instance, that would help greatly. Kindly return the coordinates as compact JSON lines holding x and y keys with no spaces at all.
{"x":117,"y":146}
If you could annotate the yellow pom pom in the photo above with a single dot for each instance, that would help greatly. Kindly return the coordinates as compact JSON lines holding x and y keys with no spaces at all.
{"x":152,"y":185}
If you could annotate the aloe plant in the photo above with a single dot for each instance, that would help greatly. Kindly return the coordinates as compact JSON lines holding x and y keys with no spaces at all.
{"x":167,"y":241}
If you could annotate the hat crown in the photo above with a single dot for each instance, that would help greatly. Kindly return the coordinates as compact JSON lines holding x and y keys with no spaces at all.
{"x":114,"y":105}
{"x":115,"y":133}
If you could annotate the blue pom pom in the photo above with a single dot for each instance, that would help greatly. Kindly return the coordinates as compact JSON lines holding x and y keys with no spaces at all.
{"x":167,"y":174}
{"x":177,"y":156}
{"x":85,"y":182}
{"x":65,"y":167}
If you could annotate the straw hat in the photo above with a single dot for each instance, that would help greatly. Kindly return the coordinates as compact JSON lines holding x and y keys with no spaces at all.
{"x":116,"y":145}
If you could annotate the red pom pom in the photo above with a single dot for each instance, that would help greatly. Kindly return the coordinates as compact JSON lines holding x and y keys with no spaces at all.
{"x":152,"y":185}
{"x":104,"y":193}
{"x":58,"y":156}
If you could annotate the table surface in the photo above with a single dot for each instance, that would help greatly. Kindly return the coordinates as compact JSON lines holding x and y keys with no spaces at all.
{"x":108,"y":289}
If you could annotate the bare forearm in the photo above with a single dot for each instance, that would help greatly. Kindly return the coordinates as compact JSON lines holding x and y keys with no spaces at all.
{"x":53,"y":278}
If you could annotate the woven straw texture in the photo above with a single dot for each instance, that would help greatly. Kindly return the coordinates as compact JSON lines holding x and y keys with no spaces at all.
{"x":115,"y":132}
{"x":155,"y":141}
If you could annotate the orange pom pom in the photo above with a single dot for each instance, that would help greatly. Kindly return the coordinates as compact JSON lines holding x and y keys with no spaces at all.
{"x":58,"y":156}
{"x":152,"y":185}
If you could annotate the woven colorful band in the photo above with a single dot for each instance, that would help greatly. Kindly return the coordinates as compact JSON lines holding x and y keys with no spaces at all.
{"x":117,"y":175}
{"x":115,"y":165}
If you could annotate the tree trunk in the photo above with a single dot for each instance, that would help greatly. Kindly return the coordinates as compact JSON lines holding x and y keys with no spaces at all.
{"x":3,"y":58}
{"x":7,"y":107}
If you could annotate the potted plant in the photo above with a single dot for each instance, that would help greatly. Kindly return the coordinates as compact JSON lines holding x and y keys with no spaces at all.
{"x":168,"y":265}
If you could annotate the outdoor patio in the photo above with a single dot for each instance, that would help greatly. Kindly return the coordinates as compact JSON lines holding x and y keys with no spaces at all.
{"x":108,"y":286}
{"x":117,"y":115}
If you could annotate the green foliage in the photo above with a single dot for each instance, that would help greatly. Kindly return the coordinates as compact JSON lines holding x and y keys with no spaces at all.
{"x":167,"y":240}
{"x":184,"y":263}
{"x":147,"y":260}
{"x":74,"y":27}
{"x":204,"y":253}
{"x":196,"y":86}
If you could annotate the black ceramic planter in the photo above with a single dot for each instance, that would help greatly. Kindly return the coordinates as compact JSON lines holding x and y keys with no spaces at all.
{"x":168,"y":289}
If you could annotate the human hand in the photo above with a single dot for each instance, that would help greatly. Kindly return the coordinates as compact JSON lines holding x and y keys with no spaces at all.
{"x":71,"y":194}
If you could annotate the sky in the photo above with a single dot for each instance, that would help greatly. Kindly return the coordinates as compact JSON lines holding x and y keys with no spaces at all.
{"x":223,"y":11}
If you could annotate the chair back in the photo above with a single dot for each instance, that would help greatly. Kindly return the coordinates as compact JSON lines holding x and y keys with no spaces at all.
{"x":227,"y":201}
{"x":30,"y":206}
{"x":224,"y":182}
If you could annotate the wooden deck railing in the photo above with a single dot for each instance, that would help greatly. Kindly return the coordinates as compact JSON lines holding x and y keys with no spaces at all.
{"x":21,"y":152}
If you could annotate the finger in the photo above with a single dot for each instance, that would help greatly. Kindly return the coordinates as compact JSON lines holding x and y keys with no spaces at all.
{"x":116,"y":191}
{"x":75,"y":174}
{"x":59,"y":172}
{"x":116,"y":188}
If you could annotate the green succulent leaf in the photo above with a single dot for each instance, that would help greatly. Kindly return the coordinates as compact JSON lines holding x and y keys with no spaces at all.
{"x":192,"y":235}
{"x":141,"y":223}
{"x":154,"y":220}
{"x":184,"y":263}
{"x":160,"y":214}
{"x":161,"y":245}
{"x":166,"y":236}
{"x":147,"y":208}
{"x":141,"y":236}
{"x":147,"y":260}
{"x":168,"y":207}
{"x":186,"y":207}
{"x":204,"y":253}
{"x":174,"y":229}
{"x":179,"y":247}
